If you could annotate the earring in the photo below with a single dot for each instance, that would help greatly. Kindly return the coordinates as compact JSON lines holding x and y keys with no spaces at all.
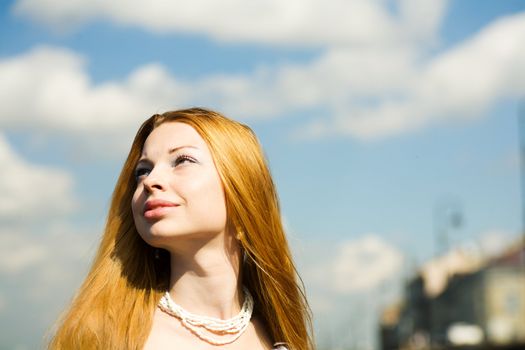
{"x":156,"y":254}
{"x":239,"y":233}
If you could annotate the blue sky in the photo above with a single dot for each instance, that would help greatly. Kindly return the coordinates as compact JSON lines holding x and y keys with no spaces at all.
{"x":372,"y":115}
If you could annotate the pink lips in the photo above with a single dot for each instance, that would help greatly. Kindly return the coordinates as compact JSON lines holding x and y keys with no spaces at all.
{"x":157,"y":208}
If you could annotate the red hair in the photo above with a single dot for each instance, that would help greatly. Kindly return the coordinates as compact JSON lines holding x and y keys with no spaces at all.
{"x":115,"y":305}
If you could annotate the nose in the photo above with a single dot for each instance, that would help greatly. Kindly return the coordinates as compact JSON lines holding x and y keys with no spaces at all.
{"x":153,"y":182}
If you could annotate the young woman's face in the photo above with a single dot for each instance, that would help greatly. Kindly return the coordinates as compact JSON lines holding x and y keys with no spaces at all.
{"x":179,"y":192}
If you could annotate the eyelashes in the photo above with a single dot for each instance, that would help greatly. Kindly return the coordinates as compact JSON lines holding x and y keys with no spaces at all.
{"x":183,"y":158}
{"x":139,"y":172}
{"x":142,"y":171}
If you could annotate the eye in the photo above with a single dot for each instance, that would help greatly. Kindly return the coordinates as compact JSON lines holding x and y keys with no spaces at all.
{"x":183,"y":158}
{"x":140,"y":172}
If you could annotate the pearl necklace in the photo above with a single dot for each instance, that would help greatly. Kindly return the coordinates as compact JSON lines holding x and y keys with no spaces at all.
{"x":201,"y":326}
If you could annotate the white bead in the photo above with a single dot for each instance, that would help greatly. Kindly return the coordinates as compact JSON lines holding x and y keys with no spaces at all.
{"x":197,"y":324}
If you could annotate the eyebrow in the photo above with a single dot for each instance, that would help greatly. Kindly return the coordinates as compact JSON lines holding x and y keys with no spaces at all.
{"x":173,"y":150}
{"x":170,"y":151}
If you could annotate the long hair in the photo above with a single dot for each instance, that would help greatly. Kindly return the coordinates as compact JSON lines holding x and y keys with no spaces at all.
{"x":115,"y":305}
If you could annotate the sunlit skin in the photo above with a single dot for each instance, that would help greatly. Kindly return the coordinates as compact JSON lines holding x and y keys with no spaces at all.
{"x":177,"y":167}
{"x":179,"y":205}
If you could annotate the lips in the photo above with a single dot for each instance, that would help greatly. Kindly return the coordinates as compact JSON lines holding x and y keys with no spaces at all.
{"x":157,"y":208}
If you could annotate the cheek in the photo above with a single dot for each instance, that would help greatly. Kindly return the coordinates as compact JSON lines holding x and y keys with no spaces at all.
{"x":211,"y":202}
{"x":218,"y":203}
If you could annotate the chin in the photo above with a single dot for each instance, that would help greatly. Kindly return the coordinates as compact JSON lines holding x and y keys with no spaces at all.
{"x":161,"y":232}
{"x":155,"y":240}
{"x":157,"y":231}
{"x":153,"y":234}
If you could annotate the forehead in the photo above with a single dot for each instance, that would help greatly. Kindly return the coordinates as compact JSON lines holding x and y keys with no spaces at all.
{"x":171,"y":135}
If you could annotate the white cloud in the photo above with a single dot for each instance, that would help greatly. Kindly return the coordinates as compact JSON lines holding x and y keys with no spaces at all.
{"x":363,"y":264}
{"x":422,"y":18}
{"x":460,"y":83}
{"x":61,"y":94}
{"x":41,"y":270}
{"x":64,"y":99}
{"x":30,"y":191}
{"x":351,"y":266}
{"x":17,"y":254}
{"x":292,"y":22}
{"x":494,"y":242}
{"x":367,"y":92}
{"x":52,"y":256}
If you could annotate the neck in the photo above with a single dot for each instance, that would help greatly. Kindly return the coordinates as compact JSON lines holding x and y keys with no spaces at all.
{"x":205,"y":276}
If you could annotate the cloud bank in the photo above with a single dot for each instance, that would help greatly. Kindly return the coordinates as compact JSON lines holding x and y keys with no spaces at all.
{"x":40,"y":254}
{"x":40,"y":269}
{"x":293,"y":22}
{"x":354,"y":266}
{"x":368,"y":93}
{"x":31,"y":192}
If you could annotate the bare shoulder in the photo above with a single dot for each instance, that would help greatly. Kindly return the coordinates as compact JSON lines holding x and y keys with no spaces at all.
{"x":164,"y":332}
{"x":158,"y":332}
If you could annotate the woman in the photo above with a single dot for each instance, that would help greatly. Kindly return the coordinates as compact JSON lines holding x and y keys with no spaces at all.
{"x":193,"y":237}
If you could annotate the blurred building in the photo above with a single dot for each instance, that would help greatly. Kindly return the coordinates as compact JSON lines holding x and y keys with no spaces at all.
{"x":389,"y":327}
{"x":461,"y":301}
